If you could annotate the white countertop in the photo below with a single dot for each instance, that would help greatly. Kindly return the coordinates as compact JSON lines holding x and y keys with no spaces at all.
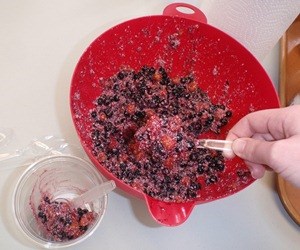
{"x":40,"y":44}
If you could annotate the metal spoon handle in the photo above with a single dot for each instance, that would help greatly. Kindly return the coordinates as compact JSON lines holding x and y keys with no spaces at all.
{"x":222,"y":145}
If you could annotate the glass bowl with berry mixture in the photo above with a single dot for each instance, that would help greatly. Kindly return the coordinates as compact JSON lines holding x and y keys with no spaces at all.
{"x":42,"y":201}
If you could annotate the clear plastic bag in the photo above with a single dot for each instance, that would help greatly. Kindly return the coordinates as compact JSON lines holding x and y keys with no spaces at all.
{"x":35,"y":150}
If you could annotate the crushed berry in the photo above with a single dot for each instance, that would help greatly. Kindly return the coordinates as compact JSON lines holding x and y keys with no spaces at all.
{"x":60,"y":222}
{"x":148,"y":132}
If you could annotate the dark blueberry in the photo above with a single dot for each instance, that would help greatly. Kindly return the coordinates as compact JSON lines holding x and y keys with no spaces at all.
{"x":195,"y":186}
{"x":70,"y":237}
{"x":108,"y":126}
{"x":194,"y":156}
{"x":93,"y":114}
{"x":200,"y":169}
{"x":208,"y":158}
{"x":191,"y":115}
{"x":62,"y":235}
{"x":196,"y":127}
{"x":164,"y":112}
{"x":190,"y":145}
{"x":140,"y":114}
{"x":183,"y":80}
{"x":108,"y":112}
{"x":178,"y":91}
{"x":209,"y":120}
{"x":212,"y":179}
{"x":43,"y":217}
{"x":183,"y":164}
{"x":148,"y":71}
{"x":224,"y":121}
{"x":121,"y":75}
{"x":83,"y":228}
{"x":187,"y":95}
{"x":212,"y":165}
{"x":220,"y":166}
{"x":166,"y":171}
{"x":100,"y":100}
{"x":147,"y":165}
{"x":228,"y":113}
{"x":68,"y":221}
{"x":47,"y":200}
{"x":200,"y":113}
{"x":165,"y":80}
{"x":149,"y":91}
{"x":115,"y":151}
{"x":171,"y":190}
{"x":177,"y":177}
{"x":179,"y":137}
{"x":134,"y":118}
{"x":189,"y":79}
{"x":80,"y":212}
{"x":167,"y":179}
{"x":126,"y":114}
{"x":161,"y":70}
{"x":116,"y":98}
{"x":151,"y":70}
{"x":123,"y":166}
{"x":191,"y":194}
{"x":159,"y":149}
{"x":137,"y":76}
{"x":116,"y":87}
{"x":155,"y":101}
{"x":175,"y":111}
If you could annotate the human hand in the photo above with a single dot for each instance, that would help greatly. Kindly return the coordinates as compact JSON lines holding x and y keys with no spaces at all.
{"x":269,"y":139}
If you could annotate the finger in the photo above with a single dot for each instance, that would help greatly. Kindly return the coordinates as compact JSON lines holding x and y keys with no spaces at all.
{"x":231,"y":154}
{"x":257,"y":170}
{"x":280,"y":123}
{"x":228,"y":154}
{"x":264,"y":137}
{"x":252,"y":150}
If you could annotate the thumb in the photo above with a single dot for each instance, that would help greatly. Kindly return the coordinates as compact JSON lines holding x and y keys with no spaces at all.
{"x":256,"y":151}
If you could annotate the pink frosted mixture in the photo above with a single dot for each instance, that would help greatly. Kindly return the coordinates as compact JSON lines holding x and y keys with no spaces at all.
{"x":60,"y":222}
{"x":144,"y":130}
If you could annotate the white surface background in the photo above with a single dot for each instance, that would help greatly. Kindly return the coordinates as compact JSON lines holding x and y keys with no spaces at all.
{"x":40,"y":44}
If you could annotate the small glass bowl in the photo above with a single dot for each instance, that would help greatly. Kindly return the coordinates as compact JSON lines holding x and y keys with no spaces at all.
{"x":61,"y":178}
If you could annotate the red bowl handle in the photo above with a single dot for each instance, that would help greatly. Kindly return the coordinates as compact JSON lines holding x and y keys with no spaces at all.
{"x":196,"y":15}
{"x":169,"y":214}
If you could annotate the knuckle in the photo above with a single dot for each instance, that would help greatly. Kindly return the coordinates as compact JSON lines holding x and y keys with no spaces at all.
{"x":274,"y":152}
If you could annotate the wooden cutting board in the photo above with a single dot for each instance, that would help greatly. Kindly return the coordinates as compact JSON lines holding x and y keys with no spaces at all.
{"x":289,"y":88}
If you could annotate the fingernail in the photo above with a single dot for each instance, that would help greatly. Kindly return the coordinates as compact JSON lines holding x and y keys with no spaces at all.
{"x":239,"y":146}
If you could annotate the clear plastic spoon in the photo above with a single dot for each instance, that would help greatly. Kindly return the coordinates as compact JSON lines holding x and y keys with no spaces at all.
{"x":221,"y":145}
{"x":93,"y":194}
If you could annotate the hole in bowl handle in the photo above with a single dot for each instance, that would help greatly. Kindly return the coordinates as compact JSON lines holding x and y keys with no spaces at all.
{"x":169,"y":214}
{"x":196,"y":15}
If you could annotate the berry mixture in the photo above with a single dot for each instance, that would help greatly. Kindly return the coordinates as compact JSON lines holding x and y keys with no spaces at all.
{"x":61,"y":222}
{"x":145,"y":126}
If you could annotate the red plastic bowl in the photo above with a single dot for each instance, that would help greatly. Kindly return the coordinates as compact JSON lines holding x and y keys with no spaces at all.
{"x":215,"y":58}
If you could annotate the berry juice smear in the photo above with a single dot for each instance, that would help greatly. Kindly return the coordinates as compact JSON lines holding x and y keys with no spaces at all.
{"x":144,"y":130}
